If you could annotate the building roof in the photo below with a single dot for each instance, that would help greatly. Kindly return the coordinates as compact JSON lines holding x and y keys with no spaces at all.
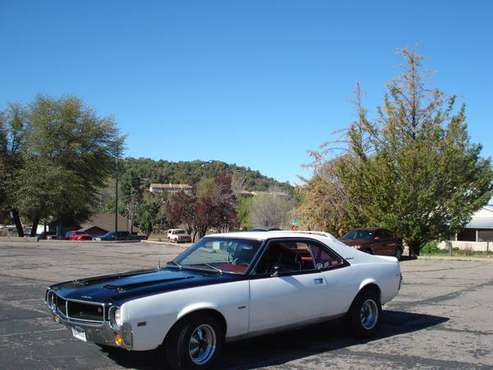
{"x":171,"y":186}
{"x":106,"y":221}
{"x":255,"y":193}
{"x":482,"y":219}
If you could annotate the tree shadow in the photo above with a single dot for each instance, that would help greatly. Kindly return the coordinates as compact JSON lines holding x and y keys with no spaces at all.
{"x":277,"y":349}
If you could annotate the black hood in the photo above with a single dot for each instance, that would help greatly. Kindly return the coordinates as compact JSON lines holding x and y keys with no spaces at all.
{"x":119,"y":288}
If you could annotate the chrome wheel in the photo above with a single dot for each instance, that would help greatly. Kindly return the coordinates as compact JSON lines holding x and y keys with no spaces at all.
{"x":369,"y":314}
{"x":202,"y":344}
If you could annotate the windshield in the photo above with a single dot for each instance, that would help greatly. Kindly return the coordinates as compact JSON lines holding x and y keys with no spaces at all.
{"x":359,"y":235}
{"x":220,"y":255}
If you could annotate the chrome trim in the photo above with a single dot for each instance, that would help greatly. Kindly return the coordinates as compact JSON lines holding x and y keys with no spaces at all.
{"x":113,"y":323}
{"x":50,"y":295}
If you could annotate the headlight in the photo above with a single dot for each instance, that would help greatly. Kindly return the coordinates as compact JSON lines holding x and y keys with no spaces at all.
{"x":116,"y":319}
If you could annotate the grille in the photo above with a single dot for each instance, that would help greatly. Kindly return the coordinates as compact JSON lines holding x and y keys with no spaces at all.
{"x":60,"y":304}
{"x":76,"y":310}
{"x":85,"y":311}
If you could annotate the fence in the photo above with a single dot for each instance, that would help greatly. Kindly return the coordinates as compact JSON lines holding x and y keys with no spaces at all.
{"x":466,"y":246}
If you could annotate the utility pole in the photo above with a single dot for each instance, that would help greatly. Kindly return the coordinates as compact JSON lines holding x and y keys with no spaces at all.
{"x":116,"y":187}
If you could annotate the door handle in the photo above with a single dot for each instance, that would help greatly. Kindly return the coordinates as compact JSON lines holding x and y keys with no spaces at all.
{"x":318,"y":281}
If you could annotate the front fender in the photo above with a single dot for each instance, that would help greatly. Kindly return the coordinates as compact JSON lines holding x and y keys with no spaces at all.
{"x":197,"y":307}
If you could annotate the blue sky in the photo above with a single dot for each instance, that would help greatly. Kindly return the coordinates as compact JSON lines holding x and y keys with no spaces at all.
{"x":254,"y":82}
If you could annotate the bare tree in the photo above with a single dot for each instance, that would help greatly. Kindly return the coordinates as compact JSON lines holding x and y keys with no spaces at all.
{"x":271,"y":210}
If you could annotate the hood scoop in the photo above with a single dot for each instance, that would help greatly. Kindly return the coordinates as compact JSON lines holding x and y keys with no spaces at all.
{"x":103,"y":278}
{"x":121,"y":288}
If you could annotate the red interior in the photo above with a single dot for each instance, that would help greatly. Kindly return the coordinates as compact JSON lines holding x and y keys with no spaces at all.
{"x":229,"y":267}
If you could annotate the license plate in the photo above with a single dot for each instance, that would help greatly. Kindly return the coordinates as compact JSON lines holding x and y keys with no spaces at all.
{"x":79,"y":334}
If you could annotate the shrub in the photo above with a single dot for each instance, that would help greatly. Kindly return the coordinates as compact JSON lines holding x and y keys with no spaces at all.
{"x":430,"y":248}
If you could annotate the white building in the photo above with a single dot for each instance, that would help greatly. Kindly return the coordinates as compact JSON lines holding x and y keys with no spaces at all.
{"x":170,"y":188}
{"x":480,"y":228}
{"x":477,"y":235}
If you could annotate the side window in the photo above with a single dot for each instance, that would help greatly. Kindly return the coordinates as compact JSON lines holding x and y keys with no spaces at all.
{"x":285,"y":257}
{"x":386,"y":234}
{"x":325,"y":259}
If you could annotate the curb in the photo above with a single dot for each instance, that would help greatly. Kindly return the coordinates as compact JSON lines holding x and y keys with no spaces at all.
{"x":169,"y":244}
{"x":36,"y":243}
{"x":456,"y":258}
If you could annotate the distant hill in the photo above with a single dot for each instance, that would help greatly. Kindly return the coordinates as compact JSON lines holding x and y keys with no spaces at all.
{"x":190,"y":172}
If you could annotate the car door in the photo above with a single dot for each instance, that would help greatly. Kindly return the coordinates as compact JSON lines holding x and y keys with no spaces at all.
{"x":390,"y":244}
{"x":286,"y":288}
{"x":386,"y":243}
{"x":378,"y":243}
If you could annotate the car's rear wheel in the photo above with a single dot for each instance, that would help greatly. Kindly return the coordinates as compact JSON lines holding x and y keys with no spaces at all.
{"x":194,"y":343}
{"x":365,"y":313}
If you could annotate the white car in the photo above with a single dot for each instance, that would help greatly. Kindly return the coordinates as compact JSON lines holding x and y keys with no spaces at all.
{"x":226,"y":287}
{"x":179,"y":236}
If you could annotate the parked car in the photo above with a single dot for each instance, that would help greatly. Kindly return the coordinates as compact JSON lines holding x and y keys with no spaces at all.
{"x":179,"y":236}
{"x":226,"y":287}
{"x":374,"y":241}
{"x":46,"y":235}
{"x":118,"y":235}
{"x":79,"y":235}
{"x":68,"y":234}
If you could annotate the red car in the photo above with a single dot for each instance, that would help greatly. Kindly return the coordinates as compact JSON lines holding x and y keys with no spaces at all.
{"x":79,"y":235}
{"x":374,"y":241}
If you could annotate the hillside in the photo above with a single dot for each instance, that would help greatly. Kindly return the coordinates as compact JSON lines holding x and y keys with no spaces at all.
{"x":190,"y":172}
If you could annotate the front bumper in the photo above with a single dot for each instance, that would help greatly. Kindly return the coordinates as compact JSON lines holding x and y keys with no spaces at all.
{"x":102,"y":332}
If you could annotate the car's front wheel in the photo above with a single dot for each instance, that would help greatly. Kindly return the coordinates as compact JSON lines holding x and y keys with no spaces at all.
{"x":365,"y":313}
{"x":194,"y":343}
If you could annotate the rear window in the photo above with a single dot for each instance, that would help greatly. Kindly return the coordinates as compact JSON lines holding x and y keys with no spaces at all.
{"x":359,"y":235}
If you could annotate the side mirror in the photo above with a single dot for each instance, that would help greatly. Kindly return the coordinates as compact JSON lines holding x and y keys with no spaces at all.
{"x":275,"y":271}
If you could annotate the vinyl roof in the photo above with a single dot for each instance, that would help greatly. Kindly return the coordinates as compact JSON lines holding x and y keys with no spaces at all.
{"x":263,"y":235}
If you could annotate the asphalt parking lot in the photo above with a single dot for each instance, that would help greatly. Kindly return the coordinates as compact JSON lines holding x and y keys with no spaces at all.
{"x":443,"y":317}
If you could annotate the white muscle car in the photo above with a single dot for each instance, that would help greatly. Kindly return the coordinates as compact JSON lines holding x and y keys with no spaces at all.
{"x":226,"y":287}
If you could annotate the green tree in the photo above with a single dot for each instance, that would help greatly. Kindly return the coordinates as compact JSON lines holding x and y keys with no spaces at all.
{"x":147,"y":217}
{"x":69,"y":152}
{"x":131,"y":195}
{"x":413,"y":169}
{"x":244,"y":206}
{"x":12,"y":139}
